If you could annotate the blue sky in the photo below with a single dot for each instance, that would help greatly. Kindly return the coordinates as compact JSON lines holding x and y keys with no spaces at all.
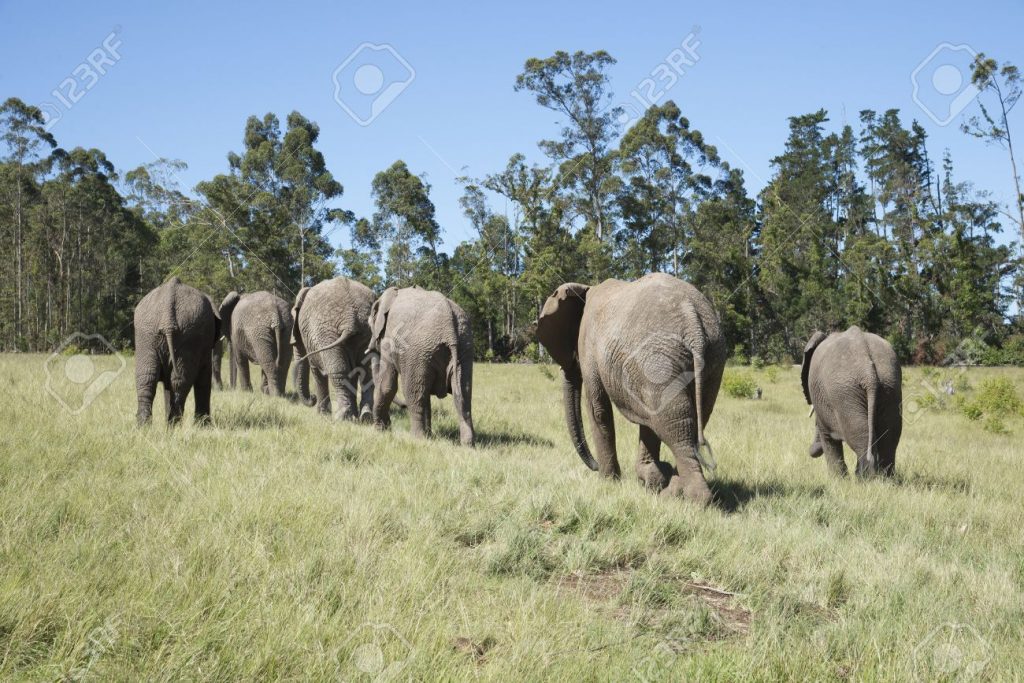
{"x":190,"y":73}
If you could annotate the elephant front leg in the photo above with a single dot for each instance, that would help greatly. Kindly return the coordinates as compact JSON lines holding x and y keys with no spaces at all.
{"x":816,"y":448}
{"x":602,"y":423}
{"x":652,"y":472}
{"x":385,"y":386}
{"x":367,"y":389}
{"x":833,"y":450}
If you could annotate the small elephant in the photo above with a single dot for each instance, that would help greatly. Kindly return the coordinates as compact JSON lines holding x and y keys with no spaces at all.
{"x":330,"y":333}
{"x":653,"y":348}
{"x":425,"y":338}
{"x":853,"y":381}
{"x":176,"y":327}
{"x":258,"y":327}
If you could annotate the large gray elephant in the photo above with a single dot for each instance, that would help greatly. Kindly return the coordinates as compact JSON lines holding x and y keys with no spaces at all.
{"x":258,"y":327}
{"x":330,"y":332}
{"x":176,"y":327}
{"x":424,"y":338}
{"x":853,"y":381}
{"x":653,"y":349}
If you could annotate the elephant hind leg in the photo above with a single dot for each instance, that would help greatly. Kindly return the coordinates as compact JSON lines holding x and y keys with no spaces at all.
{"x":602,"y":423}
{"x":680,"y":435}
{"x":833,"y":450}
{"x":323,"y":393}
{"x":652,"y":472}
{"x":462,"y":396}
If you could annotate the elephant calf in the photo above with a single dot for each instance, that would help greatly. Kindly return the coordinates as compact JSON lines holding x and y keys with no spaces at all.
{"x":853,"y":381}
{"x":653,"y":349}
{"x":425,"y":338}
{"x":258,"y":326}
{"x":176,"y":327}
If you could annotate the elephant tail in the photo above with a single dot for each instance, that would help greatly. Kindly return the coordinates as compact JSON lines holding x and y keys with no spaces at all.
{"x":703,"y":450}
{"x":337,"y":342}
{"x":872,"y":392}
{"x":169,"y":322}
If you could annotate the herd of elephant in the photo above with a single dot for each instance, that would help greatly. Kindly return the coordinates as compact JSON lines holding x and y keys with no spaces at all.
{"x":653,"y":348}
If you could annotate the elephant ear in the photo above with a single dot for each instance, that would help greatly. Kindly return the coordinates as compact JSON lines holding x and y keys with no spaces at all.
{"x":224,"y":313}
{"x":296,"y":339}
{"x":379,"y":317}
{"x":805,"y":368}
{"x":558,"y":327}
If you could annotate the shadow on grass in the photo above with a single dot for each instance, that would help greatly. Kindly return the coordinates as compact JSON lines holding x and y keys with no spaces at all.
{"x":733,"y":495}
{"x":488,"y":439}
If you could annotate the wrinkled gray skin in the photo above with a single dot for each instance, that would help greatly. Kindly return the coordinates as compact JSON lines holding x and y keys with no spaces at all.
{"x":258,"y":326}
{"x":330,"y":333}
{"x":637,"y":346}
{"x":175,"y":330}
{"x":218,"y":355}
{"x":424,"y":338}
{"x":853,"y":380}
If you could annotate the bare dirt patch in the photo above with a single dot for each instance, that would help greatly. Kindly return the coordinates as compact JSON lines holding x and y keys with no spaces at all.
{"x":607,"y":587}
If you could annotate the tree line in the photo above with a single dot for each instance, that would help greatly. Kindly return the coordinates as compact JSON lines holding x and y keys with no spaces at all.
{"x":857,"y":225}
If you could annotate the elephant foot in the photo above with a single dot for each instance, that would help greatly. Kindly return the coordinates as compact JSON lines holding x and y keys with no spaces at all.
{"x":142,"y":420}
{"x":656,"y":475}
{"x":204,"y":421}
{"x":366,"y":415}
{"x":696,"y":492}
{"x":382,"y":425}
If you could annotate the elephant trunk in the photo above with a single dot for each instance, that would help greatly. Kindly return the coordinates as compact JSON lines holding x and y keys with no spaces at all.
{"x":572,"y":391}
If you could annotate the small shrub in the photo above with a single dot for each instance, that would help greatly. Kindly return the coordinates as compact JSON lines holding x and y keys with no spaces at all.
{"x":995,"y":399}
{"x":757,"y":362}
{"x":70,"y":350}
{"x":772,"y":373}
{"x":995,"y":425}
{"x":738,"y":357}
{"x":997,"y":396}
{"x":971,"y":410}
{"x":738,"y":385}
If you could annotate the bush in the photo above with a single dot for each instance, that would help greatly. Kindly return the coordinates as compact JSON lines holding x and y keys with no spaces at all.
{"x":995,"y":399}
{"x":739,"y":385}
{"x":997,"y":396}
{"x":772,"y":373}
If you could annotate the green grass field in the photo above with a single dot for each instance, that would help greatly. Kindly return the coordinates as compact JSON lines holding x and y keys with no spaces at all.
{"x":279,"y":545}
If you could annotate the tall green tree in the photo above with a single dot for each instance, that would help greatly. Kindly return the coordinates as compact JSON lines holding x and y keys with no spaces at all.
{"x":577,"y":87}
{"x":403,"y":227}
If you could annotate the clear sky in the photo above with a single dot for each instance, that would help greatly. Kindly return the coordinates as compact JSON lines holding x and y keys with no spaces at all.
{"x":187,"y":75}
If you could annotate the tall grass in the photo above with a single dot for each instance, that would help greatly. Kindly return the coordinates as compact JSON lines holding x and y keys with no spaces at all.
{"x":279,"y":545}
